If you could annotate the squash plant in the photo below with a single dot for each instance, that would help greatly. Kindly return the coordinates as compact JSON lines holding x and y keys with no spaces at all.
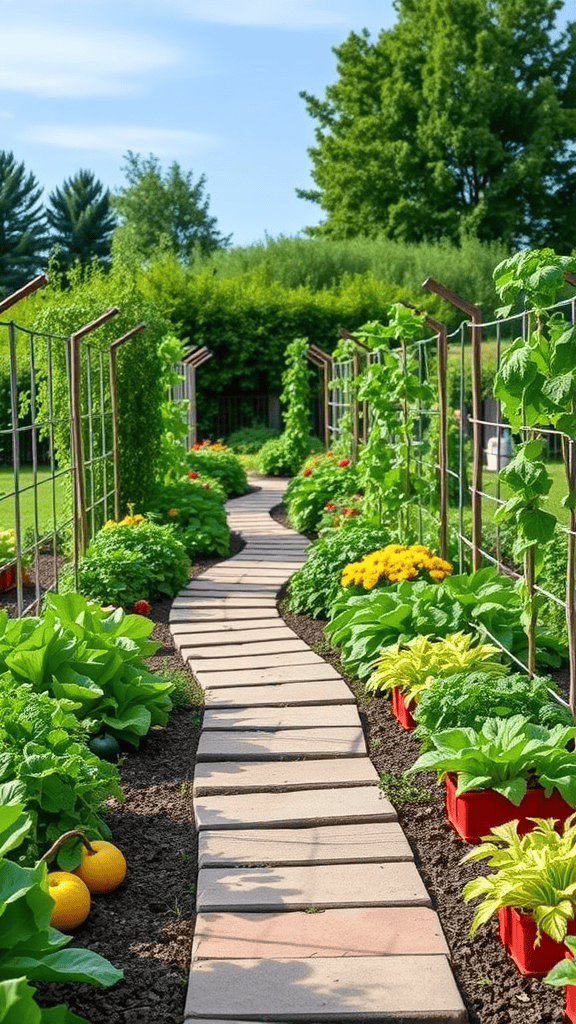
{"x":536,"y":384}
{"x":535,"y":872}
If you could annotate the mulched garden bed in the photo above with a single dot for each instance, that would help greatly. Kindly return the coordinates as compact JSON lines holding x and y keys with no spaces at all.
{"x":146,"y":926}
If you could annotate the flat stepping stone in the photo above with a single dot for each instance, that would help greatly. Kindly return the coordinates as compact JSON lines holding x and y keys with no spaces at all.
{"x":366,"y":931}
{"x":238,"y":635}
{"x":200,"y":586}
{"x":232,"y":625}
{"x":217,"y":601}
{"x":211,"y":676}
{"x":393,"y":884}
{"x":250,"y":563}
{"x":287,"y":743}
{"x":265,"y":661}
{"x":223,"y":615}
{"x":280,"y":694}
{"x":292,"y":810}
{"x":318,"y":844}
{"x":281,"y":717}
{"x":203,"y":655}
{"x":394,"y":989}
{"x":287,"y":559}
{"x":272,"y":776}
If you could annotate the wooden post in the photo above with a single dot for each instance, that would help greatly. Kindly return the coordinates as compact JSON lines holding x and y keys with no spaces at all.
{"x":195,"y":359}
{"x":475,"y":316}
{"x":114,"y":404}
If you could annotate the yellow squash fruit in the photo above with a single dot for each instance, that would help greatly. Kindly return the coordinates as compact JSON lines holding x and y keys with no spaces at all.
{"x":71,"y":900}
{"x":102,"y":868}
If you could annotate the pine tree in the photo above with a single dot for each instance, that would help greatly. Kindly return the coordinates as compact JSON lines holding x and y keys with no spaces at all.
{"x":81,"y":219}
{"x":23,"y":239}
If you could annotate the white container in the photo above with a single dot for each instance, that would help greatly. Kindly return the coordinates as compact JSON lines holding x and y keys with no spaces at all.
{"x":499,"y":455}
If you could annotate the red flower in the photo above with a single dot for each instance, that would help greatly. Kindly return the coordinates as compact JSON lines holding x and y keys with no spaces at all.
{"x":192,"y":475}
{"x":344,"y":462}
{"x":350,"y":512}
{"x":196,"y":446}
{"x":330,"y":507}
{"x":142,"y":607}
{"x":307,"y":471}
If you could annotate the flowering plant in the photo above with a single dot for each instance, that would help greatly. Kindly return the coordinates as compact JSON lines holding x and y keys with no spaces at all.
{"x":393,"y":563}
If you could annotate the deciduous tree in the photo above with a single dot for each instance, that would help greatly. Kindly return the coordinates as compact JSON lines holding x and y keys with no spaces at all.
{"x":459,"y":119}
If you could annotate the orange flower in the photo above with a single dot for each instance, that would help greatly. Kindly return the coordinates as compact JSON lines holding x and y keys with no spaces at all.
{"x":173,"y":512}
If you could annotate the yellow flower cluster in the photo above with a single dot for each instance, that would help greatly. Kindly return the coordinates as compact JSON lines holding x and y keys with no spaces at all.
{"x":393,"y":563}
{"x":127,"y":521}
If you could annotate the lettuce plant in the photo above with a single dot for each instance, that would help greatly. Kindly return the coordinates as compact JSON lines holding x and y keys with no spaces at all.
{"x":535,"y":872}
{"x":468,"y":698}
{"x":78,"y":652}
{"x":422,"y":661}
{"x":30,"y":949}
{"x":501,"y":755}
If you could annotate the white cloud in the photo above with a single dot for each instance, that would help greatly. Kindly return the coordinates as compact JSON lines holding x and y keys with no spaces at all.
{"x":286,"y":14}
{"x":6,"y":113}
{"x":118,"y":138}
{"x":44,"y":60}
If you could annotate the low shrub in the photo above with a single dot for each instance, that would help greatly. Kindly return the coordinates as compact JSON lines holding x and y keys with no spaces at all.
{"x":279,"y":457}
{"x":130,"y":560}
{"x":316,"y":585}
{"x":195,"y":508}
{"x":249,"y":440}
{"x":323,"y":480}
{"x":217,"y":461}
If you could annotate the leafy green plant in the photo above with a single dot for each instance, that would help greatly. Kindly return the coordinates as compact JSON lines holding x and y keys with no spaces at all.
{"x":174,"y":411}
{"x":535,"y":872}
{"x":195,"y":508}
{"x":50,"y":770}
{"x":400,"y":790}
{"x":469,"y":698}
{"x":564,"y":972}
{"x":322,"y":481}
{"x":277,"y":457}
{"x":249,"y":440}
{"x":422,"y":661}
{"x":218,"y":462}
{"x":126,"y":562}
{"x":30,"y":949}
{"x":78,"y":652}
{"x":501,"y":755}
{"x":283,"y":456}
{"x":484,"y":600}
{"x":313,"y":589}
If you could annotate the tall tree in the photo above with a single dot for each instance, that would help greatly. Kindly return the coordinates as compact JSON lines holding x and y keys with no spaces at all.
{"x":166,"y":211}
{"x":459,"y":119}
{"x":23,"y":238}
{"x":81,"y":219}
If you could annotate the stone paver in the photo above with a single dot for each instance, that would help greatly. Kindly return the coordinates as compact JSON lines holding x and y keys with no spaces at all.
{"x":286,"y":743}
{"x":392,"y":988}
{"x":366,"y":931}
{"x":303,"y":807}
{"x":210,"y":676}
{"x":392,"y":884}
{"x":281,"y":717}
{"x":318,"y":844}
{"x":283,"y":694}
{"x":290,"y":819}
{"x":272,"y":776}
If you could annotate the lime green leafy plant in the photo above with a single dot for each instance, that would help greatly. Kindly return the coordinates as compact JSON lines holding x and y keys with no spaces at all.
{"x":535,"y":872}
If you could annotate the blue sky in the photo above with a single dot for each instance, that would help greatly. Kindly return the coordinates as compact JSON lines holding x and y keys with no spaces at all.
{"x":212,"y":84}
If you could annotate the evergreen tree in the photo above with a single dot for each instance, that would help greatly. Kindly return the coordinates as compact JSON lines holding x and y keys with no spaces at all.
{"x":165,"y":211}
{"x":23,"y":238}
{"x":459,"y":119}
{"x":81,"y":220}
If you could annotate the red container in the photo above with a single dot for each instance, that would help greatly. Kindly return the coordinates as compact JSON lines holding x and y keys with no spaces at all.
{"x":474,"y":814}
{"x":518,"y":934}
{"x":7,"y":578}
{"x":400,"y":710}
{"x":571,"y":1003}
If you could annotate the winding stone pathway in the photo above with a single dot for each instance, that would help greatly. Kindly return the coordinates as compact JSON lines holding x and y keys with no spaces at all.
{"x":310,"y":907}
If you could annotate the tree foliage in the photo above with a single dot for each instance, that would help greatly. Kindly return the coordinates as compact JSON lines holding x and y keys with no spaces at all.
{"x":81,"y":220}
{"x":459,"y":119}
{"x":165,"y":211}
{"x":22,"y":225}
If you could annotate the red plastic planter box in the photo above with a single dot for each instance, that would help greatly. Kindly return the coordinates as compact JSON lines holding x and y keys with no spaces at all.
{"x":400,"y":710}
{"x":7,"y":578}
{"x":571,"y":1003}
{"x":474,"y":814}
{"x":518,"y":934}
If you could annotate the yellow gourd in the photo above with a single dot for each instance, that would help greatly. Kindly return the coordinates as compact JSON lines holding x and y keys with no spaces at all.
{"x":71,"y":900}
{"x":102,"y":868}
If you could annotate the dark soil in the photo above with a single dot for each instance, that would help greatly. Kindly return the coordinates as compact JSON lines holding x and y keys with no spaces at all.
{"x":146,"y":926}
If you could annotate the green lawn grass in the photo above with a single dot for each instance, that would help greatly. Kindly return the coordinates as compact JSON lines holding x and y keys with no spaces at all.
{"x":43,"y":497}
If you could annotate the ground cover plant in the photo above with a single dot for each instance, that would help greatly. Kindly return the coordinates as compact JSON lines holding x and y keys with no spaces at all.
{"x":216,"y":461}
{"x":131,"y":560}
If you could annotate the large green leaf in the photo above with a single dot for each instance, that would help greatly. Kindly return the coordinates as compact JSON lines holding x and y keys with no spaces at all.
{"x":81,"y":965}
